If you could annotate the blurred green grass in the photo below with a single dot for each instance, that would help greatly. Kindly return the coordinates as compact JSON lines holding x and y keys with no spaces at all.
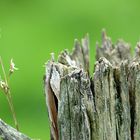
{"x":31,"y":30}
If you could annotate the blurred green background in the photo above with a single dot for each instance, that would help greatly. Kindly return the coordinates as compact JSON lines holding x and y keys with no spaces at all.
{"x":31,"y":29}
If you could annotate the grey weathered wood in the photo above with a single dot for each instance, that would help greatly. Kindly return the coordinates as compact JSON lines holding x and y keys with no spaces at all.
{"x":9,"y":133}
{"x":134,"y":87}
{"x":112,"y":100}
{"x":76,"y":108}
{"x":123,"y":103}
{"x":105,"y":99}
{"x":102,"y":107}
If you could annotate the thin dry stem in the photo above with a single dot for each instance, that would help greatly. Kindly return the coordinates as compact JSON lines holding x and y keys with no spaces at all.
{"x":8,"y":96}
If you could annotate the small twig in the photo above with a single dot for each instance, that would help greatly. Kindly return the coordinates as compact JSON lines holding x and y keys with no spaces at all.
{"x":3,"y":70}
{"x":8,"y":96}
{"x":9,"y":99}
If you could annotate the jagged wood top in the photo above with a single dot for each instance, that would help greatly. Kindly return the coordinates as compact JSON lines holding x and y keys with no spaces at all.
{"x":103,"y":100}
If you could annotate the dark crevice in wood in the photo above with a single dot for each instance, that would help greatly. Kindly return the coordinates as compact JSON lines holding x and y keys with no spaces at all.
{"x":132,"y":107}
{"x":117,"y":138}
{"x":118,"y":99}
{"x":69,"y":109}
{"x":92,"y":87}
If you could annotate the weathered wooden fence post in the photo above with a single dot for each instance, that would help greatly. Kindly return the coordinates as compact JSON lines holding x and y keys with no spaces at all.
{"x":103,"y":106}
